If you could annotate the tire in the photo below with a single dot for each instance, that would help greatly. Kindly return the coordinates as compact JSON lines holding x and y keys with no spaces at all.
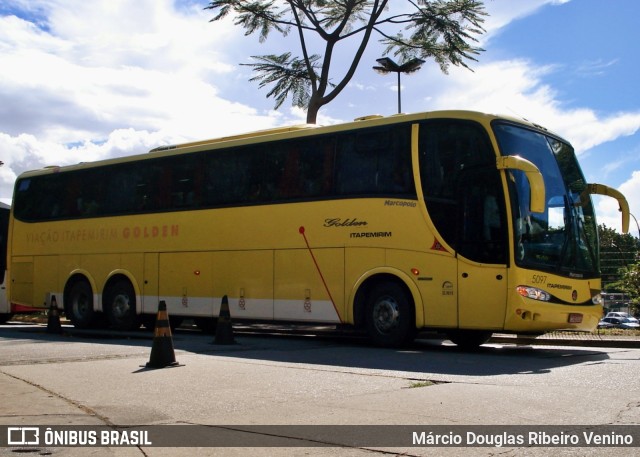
{"x":469,"y":339}
{"x":120,"y":306}
{"x":175,"y":322}
{"x":207,"y":325}
{"x":78,"y":306}
{"x":390,"y":315}
{"x":148,"y":321}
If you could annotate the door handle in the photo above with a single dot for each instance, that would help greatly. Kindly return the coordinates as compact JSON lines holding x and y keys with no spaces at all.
{"x":498,"y":277}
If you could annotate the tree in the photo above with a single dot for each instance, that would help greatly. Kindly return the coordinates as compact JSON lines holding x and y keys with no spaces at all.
{"x":444,"y":30}
{"x":617,"y":251}
{"x":629,"y":283}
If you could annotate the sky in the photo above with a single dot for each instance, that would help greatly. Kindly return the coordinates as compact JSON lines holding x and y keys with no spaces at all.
{"x":83,"y":81}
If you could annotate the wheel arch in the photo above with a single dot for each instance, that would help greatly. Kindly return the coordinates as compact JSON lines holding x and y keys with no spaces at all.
{"x":366,"y":282}
{"x":78,"y":275}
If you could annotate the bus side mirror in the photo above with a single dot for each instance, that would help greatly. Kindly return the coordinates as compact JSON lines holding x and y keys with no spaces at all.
{"x":601,"y":189}
{"x":536,"y":183}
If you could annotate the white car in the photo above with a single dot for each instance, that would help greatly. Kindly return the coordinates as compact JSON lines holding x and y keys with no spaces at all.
{"x":618,"y":314}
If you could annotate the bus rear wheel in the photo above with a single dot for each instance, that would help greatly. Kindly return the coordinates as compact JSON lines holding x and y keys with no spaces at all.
{"x":390,"y":315}
{"x":78,"y":306}
{"x":120,"y":306}
{"x":206,"y":325}
{"x":469,"y":339}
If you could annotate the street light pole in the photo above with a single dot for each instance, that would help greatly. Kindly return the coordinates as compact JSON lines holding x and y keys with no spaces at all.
{"x":637,"y":225}
{"x":387,"y":66}
{"x":399,"y":95}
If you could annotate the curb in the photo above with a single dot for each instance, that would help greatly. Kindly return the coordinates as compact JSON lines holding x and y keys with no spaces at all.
{"x":584,"y":340}
{"x":603,"y":343}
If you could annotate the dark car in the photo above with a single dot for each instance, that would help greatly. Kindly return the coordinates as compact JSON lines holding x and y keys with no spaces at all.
{"x":629,"y":322}
{"x":619,"y":322}
{"x":609,"y":322}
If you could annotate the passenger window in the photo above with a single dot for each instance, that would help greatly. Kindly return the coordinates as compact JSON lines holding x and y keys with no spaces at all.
{"x":375,"y":162}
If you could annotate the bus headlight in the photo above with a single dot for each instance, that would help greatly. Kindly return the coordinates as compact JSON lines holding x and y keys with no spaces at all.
{"x":596,"y":299}
{"x":534,"y":293}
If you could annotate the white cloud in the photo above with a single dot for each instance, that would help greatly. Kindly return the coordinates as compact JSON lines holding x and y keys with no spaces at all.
{"x":92,"y":80}
{"x":516,"y":88}
{"x":26,"y":152}
{"x":607,"y":209}
{"x":107,"y":65}
{"x":85,"y":81}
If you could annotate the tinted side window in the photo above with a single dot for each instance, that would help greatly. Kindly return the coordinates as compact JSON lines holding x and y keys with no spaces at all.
{"x":226,"y":177}
{"x":375,"y":162}
{"x":307,"y":168}
{"x":35,"y":198}
{"x":370,"y":162}
{"x":462,"y":189}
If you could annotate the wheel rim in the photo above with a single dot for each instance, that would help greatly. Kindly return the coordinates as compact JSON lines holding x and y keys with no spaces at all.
{"x":386,"y":314}
{"x":81,"y":306}
{"x":120,"y":306}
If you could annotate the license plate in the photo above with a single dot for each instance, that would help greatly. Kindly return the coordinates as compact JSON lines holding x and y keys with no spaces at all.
{"x":575,"y":318}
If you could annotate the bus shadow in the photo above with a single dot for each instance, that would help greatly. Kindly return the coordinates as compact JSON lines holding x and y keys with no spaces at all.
{"x":424,"y":358}
{"x":432,"y":356}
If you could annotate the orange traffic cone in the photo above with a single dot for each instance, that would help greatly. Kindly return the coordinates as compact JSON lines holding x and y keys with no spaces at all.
{"x":162,"y":354}
{"x":224,"y":329}
{"x":53,"y":320}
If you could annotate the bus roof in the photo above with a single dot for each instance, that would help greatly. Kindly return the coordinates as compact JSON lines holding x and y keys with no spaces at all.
{"x":241,"y":136}
{"x":283,"y":132}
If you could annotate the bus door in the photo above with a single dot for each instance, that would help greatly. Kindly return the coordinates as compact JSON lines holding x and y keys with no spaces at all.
{"x":465,"y":201}
{"x":482,"y":250}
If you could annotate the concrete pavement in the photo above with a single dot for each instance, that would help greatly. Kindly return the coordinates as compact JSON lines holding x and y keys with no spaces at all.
{"x":308,"y":381}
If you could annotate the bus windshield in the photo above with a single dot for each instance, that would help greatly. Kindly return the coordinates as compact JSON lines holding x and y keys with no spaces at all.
{"x":563,"y":239}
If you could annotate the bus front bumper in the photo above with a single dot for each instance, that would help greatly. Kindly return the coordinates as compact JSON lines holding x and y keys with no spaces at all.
{"x":536,"y":316}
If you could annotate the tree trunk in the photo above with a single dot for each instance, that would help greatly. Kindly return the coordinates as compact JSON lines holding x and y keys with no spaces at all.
{"x":312,"y":110}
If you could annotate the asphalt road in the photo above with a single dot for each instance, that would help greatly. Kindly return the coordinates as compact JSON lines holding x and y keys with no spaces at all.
{"x":332,"y":383}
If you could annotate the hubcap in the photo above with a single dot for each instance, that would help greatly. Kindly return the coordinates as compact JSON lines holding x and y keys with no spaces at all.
{"x":386,"y":314}
{"x":120,"y":305}
{"x":81,"y":306}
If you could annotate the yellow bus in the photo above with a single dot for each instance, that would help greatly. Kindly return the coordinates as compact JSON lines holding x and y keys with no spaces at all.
{"x":5,"y":309}
{"x":454,"y":221}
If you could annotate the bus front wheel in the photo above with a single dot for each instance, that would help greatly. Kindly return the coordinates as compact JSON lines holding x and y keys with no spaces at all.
{"x":390,"y":315}
{"x":120,"y":306}
{"x":78,"y":307}
{"x":469,"y":339}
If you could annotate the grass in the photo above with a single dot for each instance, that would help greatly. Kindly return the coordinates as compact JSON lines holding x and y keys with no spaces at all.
{"x":604,"y":332}
{"x":417,"y":384}
{"x":616,"y":332}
